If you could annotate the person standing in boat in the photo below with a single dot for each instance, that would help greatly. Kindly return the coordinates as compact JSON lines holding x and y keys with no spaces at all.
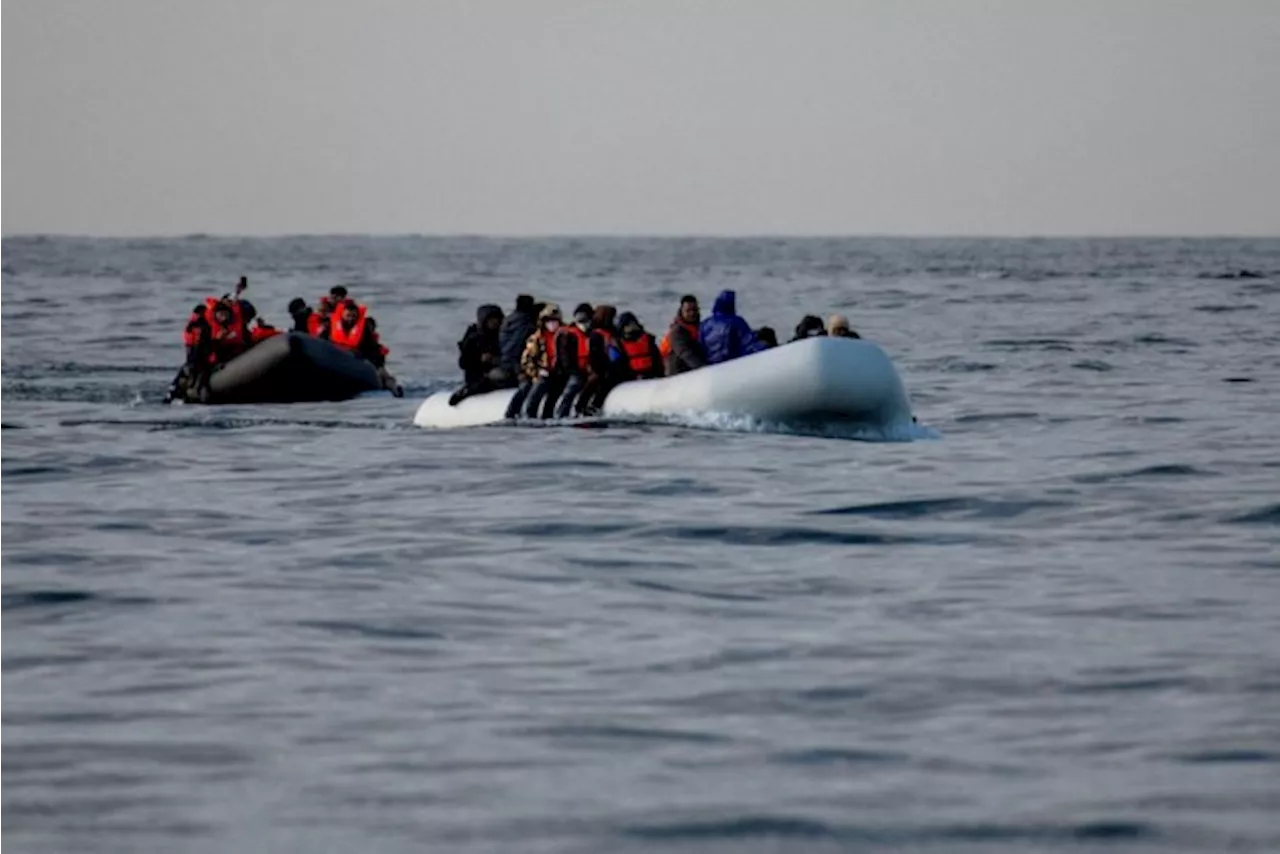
{"x":514,"y":334}
{"x":351,"y":328}
{"x":572,"y":352}
{"x":536,"y":364}
{"x":479,"y":354}
{"x":725,"y":335}
{"x":681,"y":347}
{"x":838,"y":327}
{"x":643,"y":358}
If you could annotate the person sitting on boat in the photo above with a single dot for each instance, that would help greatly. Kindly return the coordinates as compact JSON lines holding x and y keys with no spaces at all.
{"x":305,"y":318}
{"x":351,"y":328}
{"x":514,"y":334}
{"x":227,"y":337}
{"x":536,"y":363}
{"x":681,"y":347}
{"x":241,"y":307}
{"x":479,"y":355}
{"x":767,"y":337}
{"x":338,"y":294}
{"x":838,"y":327}
{"x":606,"y":365}
{"x":261,"y":331}
{"x":810,"y":326}
{"x":725,"y":335}
{"x":571,"y":365}
{"x":644,"y":360}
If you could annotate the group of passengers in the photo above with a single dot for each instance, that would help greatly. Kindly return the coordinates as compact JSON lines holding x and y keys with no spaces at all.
{"x":560,"y":367}
{"x":219,"y":329}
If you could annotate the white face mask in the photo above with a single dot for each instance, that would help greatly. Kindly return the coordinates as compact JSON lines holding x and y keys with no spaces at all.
{"x":552,"y":325}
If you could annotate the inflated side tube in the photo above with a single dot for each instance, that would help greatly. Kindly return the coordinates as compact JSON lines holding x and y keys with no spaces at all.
{"x":292,"y":368}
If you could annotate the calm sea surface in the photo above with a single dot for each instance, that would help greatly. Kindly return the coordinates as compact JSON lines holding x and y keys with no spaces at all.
{"x":317,"y":628}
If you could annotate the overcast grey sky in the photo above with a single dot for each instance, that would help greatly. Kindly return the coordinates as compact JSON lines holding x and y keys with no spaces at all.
{"x":642,"y":116}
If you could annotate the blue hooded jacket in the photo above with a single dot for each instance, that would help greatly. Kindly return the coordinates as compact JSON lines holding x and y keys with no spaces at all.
{"x":725,"y":335}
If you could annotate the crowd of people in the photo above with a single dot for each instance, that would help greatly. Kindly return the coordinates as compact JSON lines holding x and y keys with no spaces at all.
{"x":221,"y":328}
{"x":560,"y":366}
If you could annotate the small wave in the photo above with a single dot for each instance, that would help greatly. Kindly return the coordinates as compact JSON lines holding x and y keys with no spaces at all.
{"x":797,"y":828}
{"x":1232,"y":757}
{"x":839,"y":756}
{"x":700,"y":594}
{"x":1267,"y":515}
{"x":370,"y":630}
{"x":967,"y":508}
{"x":1093,"y":365}
{"x":893,"y":432}
{"x":1171,"y":470}
{"x":1030,"y":343}
{"x":758,"y":535}
{"x":616,"y":733}
{"x":1223,"y":309}
{"x":58,"y":598}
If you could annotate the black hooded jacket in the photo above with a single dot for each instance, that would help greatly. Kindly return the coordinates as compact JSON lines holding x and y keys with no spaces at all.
{"x":479,"y":342}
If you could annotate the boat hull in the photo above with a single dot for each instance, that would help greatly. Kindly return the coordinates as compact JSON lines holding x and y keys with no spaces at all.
{"x":815,"y":380}
{"x":291,"y":368}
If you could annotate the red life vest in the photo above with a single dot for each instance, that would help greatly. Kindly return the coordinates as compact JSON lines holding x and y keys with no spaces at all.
{"x":347,"y":338}
{"x":189,"y":337}
{"x":228,"y":341}
{"x":639,"y":354}
{"x":351,"y":339}
{"x":664,"y":347}
{"x":584,"y":351}
{"x":315,"y":323}
{"x":262,"y":333}
{"x":549,"y":342}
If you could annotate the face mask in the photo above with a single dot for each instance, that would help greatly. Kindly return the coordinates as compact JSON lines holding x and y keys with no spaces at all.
{"x":582,"y":319}
{"x":552,"y":325}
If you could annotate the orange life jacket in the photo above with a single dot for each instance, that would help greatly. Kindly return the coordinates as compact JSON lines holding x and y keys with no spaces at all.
{"x":584,"y":350}
{"x":549,"y":342}
{"x":189,"y":337}
{"x":351,"y":339}
{"x":228,"y":341}
{"x":639,"y":354}
{"x":315,"y":323}
{"x":237,"y":311}
{"x":664,"y":347}
{"x":262,"y":333}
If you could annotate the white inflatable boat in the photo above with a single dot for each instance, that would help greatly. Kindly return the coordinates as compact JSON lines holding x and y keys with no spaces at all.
{"x":818,"y":380}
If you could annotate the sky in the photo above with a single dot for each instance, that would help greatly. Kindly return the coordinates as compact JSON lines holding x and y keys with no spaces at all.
{"x":929,"y":117}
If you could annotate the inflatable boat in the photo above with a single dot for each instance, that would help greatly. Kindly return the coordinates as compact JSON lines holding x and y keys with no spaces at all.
{"x":814,"y":381}
{"x":286,"y":368}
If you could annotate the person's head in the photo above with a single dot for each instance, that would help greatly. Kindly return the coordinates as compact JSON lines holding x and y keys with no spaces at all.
{"x":629,"y":326}
{"x":297,"y":306}
{"x":767,"y":336}
{"x":689,"y":312}
{"x":838,"y":326}
{"x":338,"y":292}
{"x":524,"y":305}
{"x":810,"y":326}
{"x":222,"y":314}
{"x":549,"y":317}
{"x":582,"y":315}
{"x":726,"y":303}
{"x":602,"y":317}
{"x":350,"y":312}
{"x":325,"y":306}
{"x":199,"y":310}
{"x":489,"y":318}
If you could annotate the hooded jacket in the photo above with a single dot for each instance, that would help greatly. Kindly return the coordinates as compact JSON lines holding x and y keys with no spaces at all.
{"x":603,"y":354}
{"x":725,"y":335}
{"x":536,"y":361}
{"x":477,"y":343}
{"x":512,"y":337}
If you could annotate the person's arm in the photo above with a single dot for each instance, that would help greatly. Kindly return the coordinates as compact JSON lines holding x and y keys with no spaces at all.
{"x":370,"y":345}
{"x":566,"y":353}
{"x":687,"y":348}
{"x":748,"y":343}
